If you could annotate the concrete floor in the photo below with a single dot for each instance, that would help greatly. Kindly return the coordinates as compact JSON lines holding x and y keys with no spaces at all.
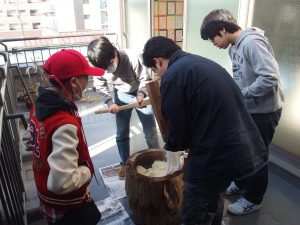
{"x":281,"y":205}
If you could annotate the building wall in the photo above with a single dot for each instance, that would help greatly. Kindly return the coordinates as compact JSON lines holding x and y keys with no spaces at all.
{"x":65,"y":15}
{"x":137,"y":23}
{"x":79,"y":15}
{"x":138,"y":28}
{"x":196,"y":11}
{"x":93,"y":12}
{"x":280,"y":20}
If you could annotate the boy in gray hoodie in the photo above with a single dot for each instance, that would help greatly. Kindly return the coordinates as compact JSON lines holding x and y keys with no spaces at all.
{"x":256,"y":72}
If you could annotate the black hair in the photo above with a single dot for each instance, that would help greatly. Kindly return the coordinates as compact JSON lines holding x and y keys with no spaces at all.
{"x":158,"y":47}
{"x":56,"y":84}
{"x":213,"y":29}
{"x":100,"y":52}
{"x":64,"y":81}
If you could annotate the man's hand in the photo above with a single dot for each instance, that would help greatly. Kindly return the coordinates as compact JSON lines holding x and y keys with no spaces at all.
{"x":173,"y":162}
{"x":139,"y":100}
{"x":113,"y":108}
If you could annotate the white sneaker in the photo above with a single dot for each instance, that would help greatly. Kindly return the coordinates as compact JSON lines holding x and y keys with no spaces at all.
{"x":233,"y":189}
{"x":242,"y":207}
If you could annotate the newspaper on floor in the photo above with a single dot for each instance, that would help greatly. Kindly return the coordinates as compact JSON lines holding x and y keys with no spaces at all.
{"x":113,"y":213}
{"x":114,"y":185}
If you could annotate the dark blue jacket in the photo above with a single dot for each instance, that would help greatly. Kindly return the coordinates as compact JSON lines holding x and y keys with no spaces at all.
{"x":205,"y":113}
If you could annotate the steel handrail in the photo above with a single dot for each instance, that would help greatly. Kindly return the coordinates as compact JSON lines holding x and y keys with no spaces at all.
{"x":41,"y":47}
{"x":51,"y":37}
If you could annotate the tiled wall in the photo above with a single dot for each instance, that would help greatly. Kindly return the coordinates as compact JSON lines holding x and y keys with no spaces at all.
{"x":168,"y":19}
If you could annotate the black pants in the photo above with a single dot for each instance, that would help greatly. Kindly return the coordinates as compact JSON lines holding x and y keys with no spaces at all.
{"x":203,"y":203}
{"x":256,"y":185}
{"x":88,"y":214}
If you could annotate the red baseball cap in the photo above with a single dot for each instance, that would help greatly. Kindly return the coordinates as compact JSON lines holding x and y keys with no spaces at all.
{"x":69,"y":63}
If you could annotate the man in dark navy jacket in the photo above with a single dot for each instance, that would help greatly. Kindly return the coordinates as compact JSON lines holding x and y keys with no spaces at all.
{"x":205,"y":113}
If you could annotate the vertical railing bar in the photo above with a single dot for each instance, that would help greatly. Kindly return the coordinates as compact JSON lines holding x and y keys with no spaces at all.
{"x":17,"y":58}
{"x":26,"y":58}
{"x":13,"y":161}
{"x":42,"y":55}
{"x":34,"y":55}
{"x":5,"y":188}
{"x":9,"y":175}
{"x":2,"y":196}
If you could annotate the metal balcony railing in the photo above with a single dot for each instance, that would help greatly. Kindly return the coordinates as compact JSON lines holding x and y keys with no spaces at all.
{"x":23,"y":52}
{"x":11,"y":186}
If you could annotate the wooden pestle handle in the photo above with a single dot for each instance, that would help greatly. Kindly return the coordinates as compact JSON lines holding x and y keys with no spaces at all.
{"x":145,"y":102}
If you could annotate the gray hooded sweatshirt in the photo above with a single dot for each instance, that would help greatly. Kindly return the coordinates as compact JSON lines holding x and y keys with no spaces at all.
{"x":256,"y":71}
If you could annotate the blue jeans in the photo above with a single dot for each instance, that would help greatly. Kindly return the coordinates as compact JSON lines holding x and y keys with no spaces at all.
{"x":257,"y":184}
{"x":123,"y":124}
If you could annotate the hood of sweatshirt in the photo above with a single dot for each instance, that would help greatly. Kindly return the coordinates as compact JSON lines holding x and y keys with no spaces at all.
{"x":251,"y":33}
{"x":49,"y":102}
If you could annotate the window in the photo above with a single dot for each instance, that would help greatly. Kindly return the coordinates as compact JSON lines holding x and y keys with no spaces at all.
{"x":33,"y":12}
{"x":11,"y":13}
{"x":22,"y":12}
{"x":16,"y":1}
{"x":25,"y":26}
{"x":36,"y":25}
{"x":85,"y":2}
{"x":14,"y":26}
{"x":104,"y":19}
{"x":103,"y":4}
{"x":281,"y":24}
{"x":2,"y":27}
{"x":35,"y":1}
{"x":87,"y":17}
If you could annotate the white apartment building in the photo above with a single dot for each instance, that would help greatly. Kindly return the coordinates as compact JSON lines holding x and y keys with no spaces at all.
{"x":20,"y":18}
{"x":28,"y":18}
{"x":95,"y":14}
